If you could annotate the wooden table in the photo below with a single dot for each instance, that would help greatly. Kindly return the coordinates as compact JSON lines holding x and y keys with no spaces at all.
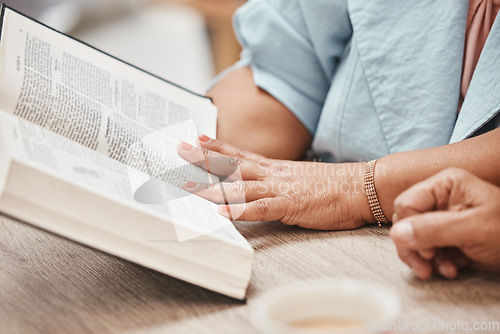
{"x":52,"y":285}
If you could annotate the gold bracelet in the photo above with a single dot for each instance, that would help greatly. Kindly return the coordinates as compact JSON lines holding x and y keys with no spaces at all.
{"x":371,"y":193}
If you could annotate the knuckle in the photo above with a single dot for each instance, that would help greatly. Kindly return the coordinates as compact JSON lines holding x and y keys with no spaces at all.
{"x":279,"y":169}
{"x":264,"y":168}
{"x":263,"y":162}
{"x":404,"y":203}
{"x":399,"y":203}
{"x":293,"y":197}
{"x":265,"y":189}
{"x":212,"y":187}
{"x":228,"y":165}
{"x":291,"y":211}
{"x":237,"y":161}
{"x":258,"y":188}
{"x":207,"y":154}
{"x":251,"y":187}
{"x":263,"y":207}
{"x":216,"y":145}
{"x":240,"y":153}
{"x":235,"y":164}
{"x":456,"y":173}
{"x":238,"y":187}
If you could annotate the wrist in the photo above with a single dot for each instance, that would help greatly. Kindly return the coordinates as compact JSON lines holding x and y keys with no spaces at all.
{"x":389,"y":183}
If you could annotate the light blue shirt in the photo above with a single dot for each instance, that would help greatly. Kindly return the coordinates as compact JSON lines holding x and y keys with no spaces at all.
{"x":371,"y":78}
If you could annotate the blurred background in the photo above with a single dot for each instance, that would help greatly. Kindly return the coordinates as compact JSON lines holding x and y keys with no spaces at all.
{"x":185,"y":41}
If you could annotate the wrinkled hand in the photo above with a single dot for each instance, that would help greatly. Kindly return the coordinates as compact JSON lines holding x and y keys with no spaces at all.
{"x":308,"y":194}
{"x":448,"y":222}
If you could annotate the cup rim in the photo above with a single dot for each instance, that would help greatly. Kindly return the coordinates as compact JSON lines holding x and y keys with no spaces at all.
{"x":361,"y":289}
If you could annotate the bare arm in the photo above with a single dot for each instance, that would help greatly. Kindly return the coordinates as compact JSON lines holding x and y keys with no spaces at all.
{"x":328,"y":196}
{"x":397,"y":172}
{"x":251,"y":119}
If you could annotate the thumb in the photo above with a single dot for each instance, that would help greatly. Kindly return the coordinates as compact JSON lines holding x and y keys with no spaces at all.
{"x":433,"y":229}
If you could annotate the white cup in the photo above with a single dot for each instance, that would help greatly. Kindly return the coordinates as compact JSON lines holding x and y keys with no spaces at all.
{"x":330,"y":306}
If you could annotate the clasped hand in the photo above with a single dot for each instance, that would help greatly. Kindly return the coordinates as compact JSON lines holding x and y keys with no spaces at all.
{"x":448,"y":222}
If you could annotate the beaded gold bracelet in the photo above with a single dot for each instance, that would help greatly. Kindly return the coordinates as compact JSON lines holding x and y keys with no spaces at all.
{"x":371,"y":193}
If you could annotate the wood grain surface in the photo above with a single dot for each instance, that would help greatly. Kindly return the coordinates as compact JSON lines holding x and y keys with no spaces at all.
{"x":51,"y":285}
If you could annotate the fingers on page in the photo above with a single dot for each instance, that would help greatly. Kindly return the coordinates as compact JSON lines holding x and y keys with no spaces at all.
{"x":235,"y":192}
{"x":261,"y":210}
{"x":226,"y":149}
{"x":232,"y":168}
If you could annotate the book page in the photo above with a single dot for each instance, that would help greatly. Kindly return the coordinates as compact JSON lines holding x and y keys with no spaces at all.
{"x":99,"y":102}
{"x":191,"y":215}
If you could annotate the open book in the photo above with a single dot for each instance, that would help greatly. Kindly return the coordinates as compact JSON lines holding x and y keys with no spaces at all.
{"x":88,"y":150}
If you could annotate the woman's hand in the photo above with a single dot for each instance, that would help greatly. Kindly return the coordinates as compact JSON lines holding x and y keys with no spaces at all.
{"x":448,"y":222}
{"x":308,"y":194}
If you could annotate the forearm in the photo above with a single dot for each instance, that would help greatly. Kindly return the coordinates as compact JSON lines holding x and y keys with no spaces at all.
{"x":397,"y":172}
{"x":251,"y":119}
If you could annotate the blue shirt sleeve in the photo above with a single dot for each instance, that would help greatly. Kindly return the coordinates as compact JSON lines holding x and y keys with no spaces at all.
{"x":293,"y":48}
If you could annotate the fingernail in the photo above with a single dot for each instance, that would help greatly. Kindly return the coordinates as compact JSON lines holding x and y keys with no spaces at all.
{"x":445,"y":270}
{"x":189,"y":185}
{"x":186,"y":146}
{"x":395,"y":218}
{"x":204,"y":138}
{"x":403,"y":231}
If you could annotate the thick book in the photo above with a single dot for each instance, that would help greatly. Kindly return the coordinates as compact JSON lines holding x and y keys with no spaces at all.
{"x":88,"y":150}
